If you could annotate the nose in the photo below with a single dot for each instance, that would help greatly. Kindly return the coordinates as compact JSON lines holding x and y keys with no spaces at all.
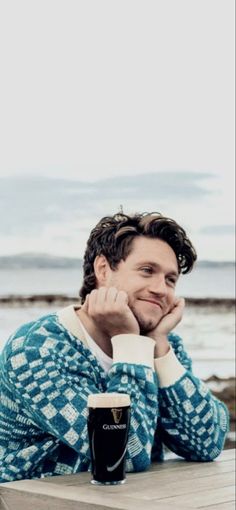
{"x":158,"y":285}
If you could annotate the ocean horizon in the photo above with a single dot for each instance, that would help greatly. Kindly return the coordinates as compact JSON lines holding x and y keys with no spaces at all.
{"x":33,"y":274}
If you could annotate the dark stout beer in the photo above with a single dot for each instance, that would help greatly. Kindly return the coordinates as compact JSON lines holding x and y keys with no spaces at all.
{"x":108,"y":427}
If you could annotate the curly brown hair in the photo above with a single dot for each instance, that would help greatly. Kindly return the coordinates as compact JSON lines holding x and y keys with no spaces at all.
{"x":113,"y":236}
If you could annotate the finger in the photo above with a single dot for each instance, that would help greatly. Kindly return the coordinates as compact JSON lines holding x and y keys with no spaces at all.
{"x":112,"y":294}
{"x":98,"y":298}
{"x":84,"y":306}
{"x":179,"y":307}
{"x":91,"y":301}
{"x":179,"y":303}
{"x":122,"y":298}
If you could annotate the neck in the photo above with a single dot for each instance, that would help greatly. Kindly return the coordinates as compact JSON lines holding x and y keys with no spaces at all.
{"x":99,"y":336}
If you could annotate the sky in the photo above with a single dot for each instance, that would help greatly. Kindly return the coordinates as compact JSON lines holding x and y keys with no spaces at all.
{"x":107,"y":103}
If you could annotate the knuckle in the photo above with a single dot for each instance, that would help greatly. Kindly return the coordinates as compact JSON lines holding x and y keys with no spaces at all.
{"x":113,"y":289}
{"x":122,"y":294}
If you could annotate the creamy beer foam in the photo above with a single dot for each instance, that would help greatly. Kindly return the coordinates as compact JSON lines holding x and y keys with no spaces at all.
{"x":105,"y":400}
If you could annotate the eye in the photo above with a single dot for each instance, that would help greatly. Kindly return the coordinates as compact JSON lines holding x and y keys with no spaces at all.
{"x":147,"y":269}
{"x":171,"y":280}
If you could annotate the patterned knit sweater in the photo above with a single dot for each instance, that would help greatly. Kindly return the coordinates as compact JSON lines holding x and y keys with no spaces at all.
{"x":46,"y":375}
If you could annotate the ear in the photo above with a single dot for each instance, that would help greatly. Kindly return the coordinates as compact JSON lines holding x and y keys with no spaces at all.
{"x":101,"y":269}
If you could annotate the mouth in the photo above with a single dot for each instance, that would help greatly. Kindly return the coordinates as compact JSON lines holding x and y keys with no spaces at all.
{"x":153,"y":302}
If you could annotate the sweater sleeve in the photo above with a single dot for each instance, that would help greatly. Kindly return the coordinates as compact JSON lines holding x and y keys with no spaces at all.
{"x":193,"y":423}
{"x":52,"y":380}
{"x":132,"y":372}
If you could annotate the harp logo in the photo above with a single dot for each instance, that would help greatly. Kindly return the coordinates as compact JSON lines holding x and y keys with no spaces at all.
{"x":117,"y":414}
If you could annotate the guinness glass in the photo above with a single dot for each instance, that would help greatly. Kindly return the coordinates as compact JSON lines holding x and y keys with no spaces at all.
{"x":108,"y":427}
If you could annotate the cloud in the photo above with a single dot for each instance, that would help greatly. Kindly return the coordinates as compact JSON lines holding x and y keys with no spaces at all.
{"x":27,"y":204}
{"x":55,"y":216}
{"x":171,"y":185}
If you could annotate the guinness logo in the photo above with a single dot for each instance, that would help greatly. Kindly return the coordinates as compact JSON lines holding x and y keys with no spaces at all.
{"x":117,"y":414}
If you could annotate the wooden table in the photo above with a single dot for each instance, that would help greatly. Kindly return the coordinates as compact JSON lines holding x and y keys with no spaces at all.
{"x":171,"y":485}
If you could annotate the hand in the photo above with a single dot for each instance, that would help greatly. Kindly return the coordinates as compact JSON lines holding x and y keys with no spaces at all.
{"x":166,"y":324}
{"x":108,"y":308}
{"x":171,"y":319}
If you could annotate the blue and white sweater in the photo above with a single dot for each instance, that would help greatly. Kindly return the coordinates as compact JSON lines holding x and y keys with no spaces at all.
{"x":46,"y":375}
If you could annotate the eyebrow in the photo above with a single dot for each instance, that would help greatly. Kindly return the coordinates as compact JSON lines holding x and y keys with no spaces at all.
{"x":172,"y":272}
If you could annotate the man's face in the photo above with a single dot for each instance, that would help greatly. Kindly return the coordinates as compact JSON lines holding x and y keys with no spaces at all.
{"x":148,"y":275}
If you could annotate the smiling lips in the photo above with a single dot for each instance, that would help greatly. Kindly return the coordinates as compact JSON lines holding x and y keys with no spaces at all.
{"x":153,"y":302}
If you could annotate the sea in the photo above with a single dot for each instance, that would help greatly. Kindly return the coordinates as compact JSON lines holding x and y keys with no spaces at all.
{"x":207,"y":328}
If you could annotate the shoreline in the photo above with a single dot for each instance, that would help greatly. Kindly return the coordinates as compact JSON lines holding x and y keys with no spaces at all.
{"x":48,"y":299}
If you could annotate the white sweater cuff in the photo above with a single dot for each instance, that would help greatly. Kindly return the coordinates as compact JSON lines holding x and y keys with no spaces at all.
{"x":137,"y":349}
{"x":168,"y":369}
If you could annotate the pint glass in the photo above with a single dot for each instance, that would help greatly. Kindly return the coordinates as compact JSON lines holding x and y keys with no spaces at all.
{"x":108,"y":427}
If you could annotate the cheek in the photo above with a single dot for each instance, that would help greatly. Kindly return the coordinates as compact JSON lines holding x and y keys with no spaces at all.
{"x":118,"y":282}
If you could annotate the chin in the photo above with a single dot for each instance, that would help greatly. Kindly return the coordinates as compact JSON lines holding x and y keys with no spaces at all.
{"x":146,"y":325}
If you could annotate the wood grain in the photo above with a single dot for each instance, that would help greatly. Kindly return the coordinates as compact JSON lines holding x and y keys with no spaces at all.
{"x":170,"y":485}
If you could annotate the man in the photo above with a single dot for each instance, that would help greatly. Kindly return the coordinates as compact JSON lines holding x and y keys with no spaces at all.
{"x":119,"y":339}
